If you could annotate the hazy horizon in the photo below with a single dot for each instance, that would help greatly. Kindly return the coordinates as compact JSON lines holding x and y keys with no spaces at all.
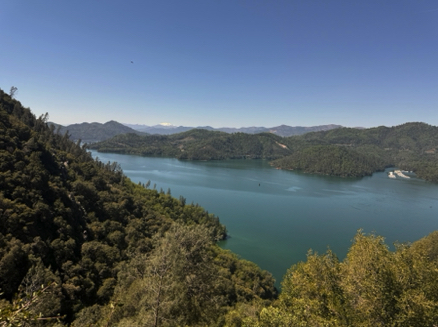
{"x":224,"y":64}
{"x":238,"y":127}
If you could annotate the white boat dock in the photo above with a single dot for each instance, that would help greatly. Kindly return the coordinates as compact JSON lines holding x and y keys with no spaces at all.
{"x":400,"y":173}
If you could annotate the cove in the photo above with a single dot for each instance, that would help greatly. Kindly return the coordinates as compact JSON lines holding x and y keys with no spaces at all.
{"x":274,"y":217}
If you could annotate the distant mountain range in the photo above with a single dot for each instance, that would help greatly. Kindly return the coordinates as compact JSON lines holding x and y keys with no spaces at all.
{"x":282,"y":130}
{"x":95,"y":132}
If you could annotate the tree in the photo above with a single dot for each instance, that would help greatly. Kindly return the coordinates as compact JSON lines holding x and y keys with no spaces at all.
{"x":369,"y":281}
{"x":12,"y":91}
{"x":417,"y":275}
{"x":372,"y":287}
{"x":20,"y":311}
{"x":174,"y":284}
{"x":311,"y":291}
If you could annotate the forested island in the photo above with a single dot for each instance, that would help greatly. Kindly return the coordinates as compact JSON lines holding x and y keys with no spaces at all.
{"x":345,"y":152}
{"x":198,"y":144}
{"x":82,"y":245}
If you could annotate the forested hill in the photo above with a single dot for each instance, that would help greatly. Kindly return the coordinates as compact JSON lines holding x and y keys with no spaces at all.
{"x":198,"y":144}
{"x":347,"y":152}
{"x":94,"y":132}
{"x":359,"y":152}
{"x":99,"y":239}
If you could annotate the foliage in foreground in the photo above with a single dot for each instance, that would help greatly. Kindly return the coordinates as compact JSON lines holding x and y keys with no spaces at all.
{"x":373,"y":286}
{"x":23,"y":310}
{"x":177,"y":284}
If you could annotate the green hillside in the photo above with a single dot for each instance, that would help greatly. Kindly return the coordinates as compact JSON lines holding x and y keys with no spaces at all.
{"x":81,"y":225}
{"x":331,"y":160}
{"x":198,"y":144}
{"x":360,"y":152}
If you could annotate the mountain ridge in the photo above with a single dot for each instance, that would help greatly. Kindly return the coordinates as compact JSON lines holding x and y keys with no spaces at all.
{"x":281,"y":130}
{"x":96,"y":132}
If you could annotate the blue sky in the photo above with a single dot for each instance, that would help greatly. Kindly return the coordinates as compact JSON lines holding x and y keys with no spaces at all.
{"x":223,"y":63}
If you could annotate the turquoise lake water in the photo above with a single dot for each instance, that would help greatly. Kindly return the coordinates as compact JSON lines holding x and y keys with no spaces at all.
{"x":274,"y":217}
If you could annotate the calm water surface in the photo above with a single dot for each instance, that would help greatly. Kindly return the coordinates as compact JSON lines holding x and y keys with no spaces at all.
{"x":274,"y":217}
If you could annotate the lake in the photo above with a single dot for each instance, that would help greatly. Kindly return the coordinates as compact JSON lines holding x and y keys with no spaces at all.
{"x":274,"y":217}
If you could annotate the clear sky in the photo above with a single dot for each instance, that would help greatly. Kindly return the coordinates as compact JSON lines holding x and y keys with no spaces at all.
{"x":223,"y":63}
